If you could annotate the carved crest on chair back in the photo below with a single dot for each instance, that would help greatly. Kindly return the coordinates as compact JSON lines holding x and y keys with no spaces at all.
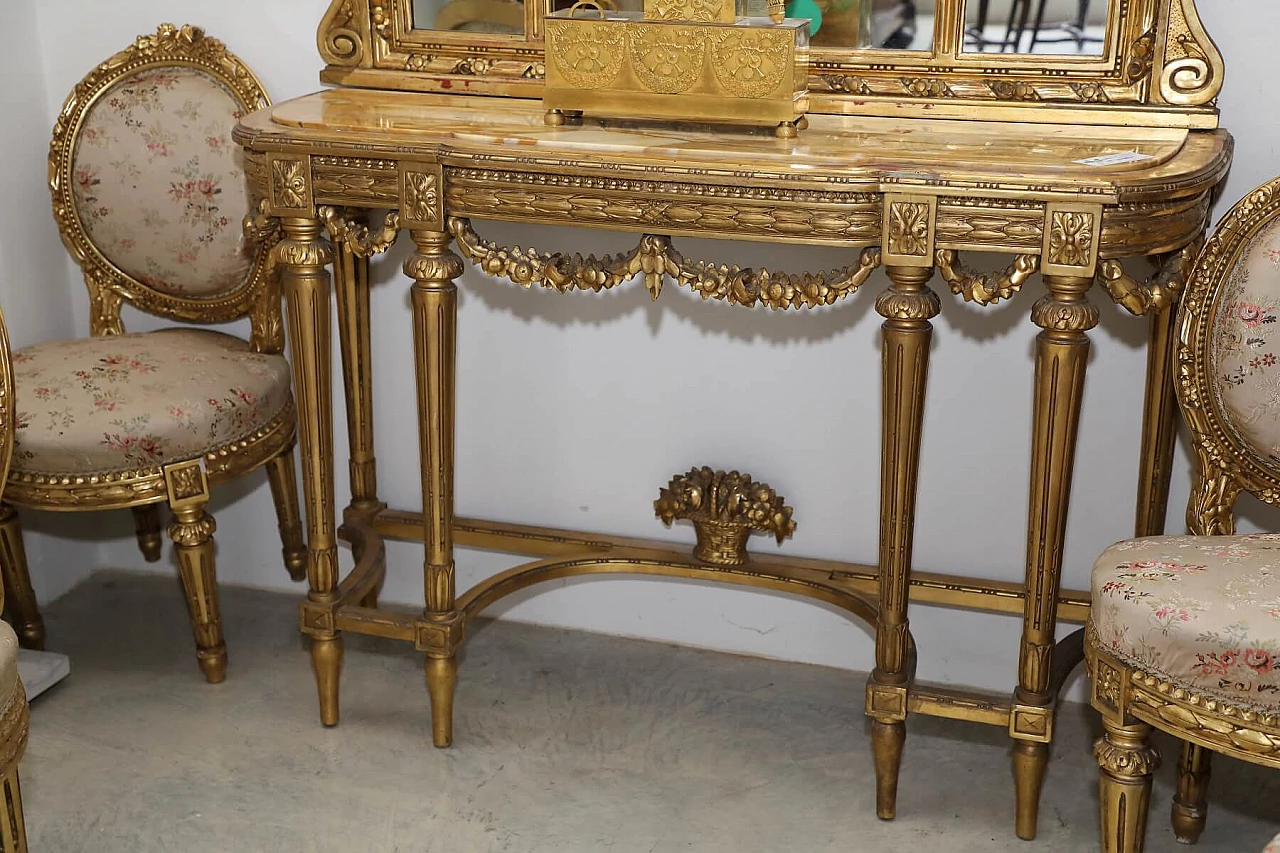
{"x":149,"y":189}
{"x":1229,"y":345}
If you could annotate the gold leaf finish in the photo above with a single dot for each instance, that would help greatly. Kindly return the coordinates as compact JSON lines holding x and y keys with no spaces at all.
{"x":724,"y":508}
{"x":289,"y":183}
{"x":981,"y":288}
{"x":909,"y":161}
{"x":588,"y":54}
{"x":1071,"y":238}
{"x":909,"y":228}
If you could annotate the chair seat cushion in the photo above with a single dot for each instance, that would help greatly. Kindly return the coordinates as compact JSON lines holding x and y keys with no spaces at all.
{"x":128,"y":402}
{"x":8,"y":664}
{"x":1201,"y":612}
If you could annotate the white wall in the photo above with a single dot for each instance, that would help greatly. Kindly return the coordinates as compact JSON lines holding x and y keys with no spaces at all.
{"x":34,"y":270}
{"x":574,"y":410}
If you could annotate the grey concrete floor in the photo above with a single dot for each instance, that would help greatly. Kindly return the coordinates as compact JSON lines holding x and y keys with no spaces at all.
{"x":563,"y":742}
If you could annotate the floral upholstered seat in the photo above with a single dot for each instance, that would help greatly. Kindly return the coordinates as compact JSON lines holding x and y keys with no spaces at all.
{"x":1197,"y":611}
{"x":89,"y":405}
{"x":1184,"y":631}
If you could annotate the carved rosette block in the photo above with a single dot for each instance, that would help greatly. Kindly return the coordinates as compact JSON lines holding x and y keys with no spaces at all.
{"x":725,"y":508}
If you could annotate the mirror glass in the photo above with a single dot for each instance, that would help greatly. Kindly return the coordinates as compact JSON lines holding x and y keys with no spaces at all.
{"x":881,"y":24}
{"x":1058,"y":27}
{"x":470,"y":16}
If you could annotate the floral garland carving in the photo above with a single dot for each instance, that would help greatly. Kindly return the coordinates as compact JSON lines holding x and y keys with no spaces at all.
{"x":982,"y":288}
{"x":355,"y":234}
{"x":656,"y":259}
{"x":1156,"y":293}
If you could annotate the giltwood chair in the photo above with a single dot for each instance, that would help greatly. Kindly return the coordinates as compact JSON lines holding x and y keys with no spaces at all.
{"x":13,"y":699}
{"x":149,"y":194}
{"x":1184,"y":632}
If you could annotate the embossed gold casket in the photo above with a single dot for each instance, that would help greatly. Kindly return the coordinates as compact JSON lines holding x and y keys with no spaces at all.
{"x":630,"y":65}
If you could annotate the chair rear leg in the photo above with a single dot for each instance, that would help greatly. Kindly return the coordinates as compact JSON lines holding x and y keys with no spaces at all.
{"x":19,"y":594}
{"x":192,"y":534}
{"x":1191,"y":801}
{"x":284,"y":491}
{"x":146,"y":524}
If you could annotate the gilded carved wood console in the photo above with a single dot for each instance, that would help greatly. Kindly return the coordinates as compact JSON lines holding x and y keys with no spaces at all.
{"x":1068,"y":165}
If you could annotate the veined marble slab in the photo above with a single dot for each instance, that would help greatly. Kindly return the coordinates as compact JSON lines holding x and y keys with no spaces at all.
{"x":41,"y":670}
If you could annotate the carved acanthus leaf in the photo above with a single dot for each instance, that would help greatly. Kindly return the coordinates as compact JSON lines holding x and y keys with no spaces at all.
{"x":1126,"y":760}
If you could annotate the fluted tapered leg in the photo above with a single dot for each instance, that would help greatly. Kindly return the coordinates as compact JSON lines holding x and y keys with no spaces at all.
{"x":1062,"y":350}
{"x":146,"y":525}
{"x":284,"y":492}
{"x":19,"y":596}
{"x":351,"y":281}
{"x":1126,"y":761}
{"x":192,"y":534}
{"x":1159,"y":426}
{"x":1191,"y":800}
{"x":907,"y":306}
{"x":302,"y":257}
{"x":13,"y":827}
{"x":433,"y":267}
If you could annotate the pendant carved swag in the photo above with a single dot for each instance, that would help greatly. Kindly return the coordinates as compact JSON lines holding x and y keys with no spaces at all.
{"x":910,"y":159}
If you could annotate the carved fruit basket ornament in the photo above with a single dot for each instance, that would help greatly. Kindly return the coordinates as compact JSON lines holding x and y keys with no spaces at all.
{"x":684,"y":60}
{"x":725,"y":509}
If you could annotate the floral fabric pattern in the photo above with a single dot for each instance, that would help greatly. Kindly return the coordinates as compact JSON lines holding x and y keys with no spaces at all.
{"x":119,"y":403}
{"x":158,"y":182}
{"x":1200,"y":611}
{"x":1246,"y":344}
{"x":1274,"y":846}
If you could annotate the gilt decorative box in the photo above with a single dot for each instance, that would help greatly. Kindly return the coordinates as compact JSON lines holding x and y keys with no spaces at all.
{"x":681,"y":60}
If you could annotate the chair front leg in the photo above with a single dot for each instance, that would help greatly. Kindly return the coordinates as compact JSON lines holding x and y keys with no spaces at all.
{"x":192,"y":534}
{"x":13,"y":829}
{"x":284,"y":491}
{"x":1126,"y":760}
{"x":19,"y":594}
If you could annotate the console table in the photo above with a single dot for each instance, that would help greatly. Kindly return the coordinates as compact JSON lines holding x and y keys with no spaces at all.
{"x":908,"y":193}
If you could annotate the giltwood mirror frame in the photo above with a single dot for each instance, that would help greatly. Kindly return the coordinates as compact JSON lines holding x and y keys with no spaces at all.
{"x":1158,"y":67}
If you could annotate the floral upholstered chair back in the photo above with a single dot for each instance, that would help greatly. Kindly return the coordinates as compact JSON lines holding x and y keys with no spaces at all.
{"x":149,"y":188}
{"x":1229,"y":362}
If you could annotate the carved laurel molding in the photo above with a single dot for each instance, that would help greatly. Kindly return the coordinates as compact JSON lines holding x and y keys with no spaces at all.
{"x":1252,"y":734}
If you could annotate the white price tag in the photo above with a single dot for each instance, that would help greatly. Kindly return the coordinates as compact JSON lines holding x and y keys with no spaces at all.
{"x":1114,"y":159}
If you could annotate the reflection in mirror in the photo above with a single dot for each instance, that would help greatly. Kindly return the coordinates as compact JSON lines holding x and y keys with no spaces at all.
{"x":886,"y":24}
{"x":472,"y":16}
{"x":1036,"y":26}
